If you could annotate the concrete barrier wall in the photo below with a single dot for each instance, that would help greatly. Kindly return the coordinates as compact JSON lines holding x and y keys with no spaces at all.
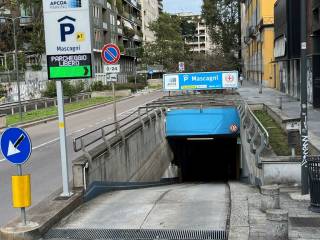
{"x":250,"y":171}
{"x":141,"y":154}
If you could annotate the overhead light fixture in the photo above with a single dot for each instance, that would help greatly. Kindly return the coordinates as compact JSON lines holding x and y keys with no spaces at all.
{"x":200,"y":139}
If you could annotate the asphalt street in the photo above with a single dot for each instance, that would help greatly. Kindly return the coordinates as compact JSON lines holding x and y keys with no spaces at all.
{"x":44,"y":164}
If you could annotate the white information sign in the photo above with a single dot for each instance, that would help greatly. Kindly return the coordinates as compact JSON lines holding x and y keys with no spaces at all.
{"x":67,"y":27}
{"x":112,"y":77}
{"x":111,"y":68}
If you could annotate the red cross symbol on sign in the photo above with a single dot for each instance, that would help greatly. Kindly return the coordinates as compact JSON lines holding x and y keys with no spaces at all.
{"x":230,"y":78}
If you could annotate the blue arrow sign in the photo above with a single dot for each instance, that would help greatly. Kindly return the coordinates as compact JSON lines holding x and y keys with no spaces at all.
{"x":15,"y":145}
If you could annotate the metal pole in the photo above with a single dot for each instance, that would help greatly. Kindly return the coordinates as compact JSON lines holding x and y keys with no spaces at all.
{"x":304,"y":102}
{"x":115,"y":107}
{"x":23,"y":210}
{"x":17,"y":67}
{"x":63,"y":146}
{"x":135,"y":74}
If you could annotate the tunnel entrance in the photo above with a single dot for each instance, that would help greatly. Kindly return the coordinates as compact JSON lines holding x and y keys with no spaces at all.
{"x":206,"y":159}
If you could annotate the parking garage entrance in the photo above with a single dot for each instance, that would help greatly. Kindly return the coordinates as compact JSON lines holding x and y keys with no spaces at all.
{"x":205,"y":143}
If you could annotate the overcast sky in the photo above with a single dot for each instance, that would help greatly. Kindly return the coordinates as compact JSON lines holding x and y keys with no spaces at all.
{"x":175,"y":6}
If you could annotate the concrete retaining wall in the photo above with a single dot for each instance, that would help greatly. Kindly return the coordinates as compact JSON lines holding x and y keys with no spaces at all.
{"x":272,"y":169}
{"x":141,"y":155}
{"x":119,"y":93}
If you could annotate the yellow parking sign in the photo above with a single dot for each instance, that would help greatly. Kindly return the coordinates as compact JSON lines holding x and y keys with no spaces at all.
{"x":81,"y":36}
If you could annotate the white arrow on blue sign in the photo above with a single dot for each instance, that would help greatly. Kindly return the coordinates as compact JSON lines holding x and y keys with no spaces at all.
{"x":16,"y":145}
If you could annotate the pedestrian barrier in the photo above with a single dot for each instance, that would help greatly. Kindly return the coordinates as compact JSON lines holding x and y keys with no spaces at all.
{"x":35,"y":104}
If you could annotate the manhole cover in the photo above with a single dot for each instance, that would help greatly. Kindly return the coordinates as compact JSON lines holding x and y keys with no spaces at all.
{"x":304,"y":222}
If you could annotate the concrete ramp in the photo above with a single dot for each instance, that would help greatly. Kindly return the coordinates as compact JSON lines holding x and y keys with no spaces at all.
{"x":199,"y":209}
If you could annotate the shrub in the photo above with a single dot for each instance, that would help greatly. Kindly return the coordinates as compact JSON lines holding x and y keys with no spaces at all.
{"x":36,"y":67}
{"x":69,"y":90}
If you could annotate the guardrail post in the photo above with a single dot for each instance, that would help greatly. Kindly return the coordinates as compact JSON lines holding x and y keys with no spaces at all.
{"x":45,"y":104}
{"x":36,"y":106}
{"x":12,"y":110}
{"x":25,"y":108}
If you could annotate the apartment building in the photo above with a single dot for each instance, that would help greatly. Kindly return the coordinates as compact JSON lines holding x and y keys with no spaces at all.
{"x":258,"y":37}
{"x":117,"y":22}
{"x":287,"y":46}
{"x":199,"y":42}
{"x":150,"y":13}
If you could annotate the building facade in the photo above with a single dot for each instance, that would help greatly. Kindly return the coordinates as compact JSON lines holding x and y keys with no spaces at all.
{"x":258,"y":41}
{"x":150,"y":13}
{"x":117,"y":22}
{"x":200,"y":42}
{"x":287,"y":46}
{"x":314,"y":52}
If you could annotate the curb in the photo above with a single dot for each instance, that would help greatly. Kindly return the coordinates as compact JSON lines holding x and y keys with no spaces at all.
{"x":50,"y":119}
{"x":42,"y":217}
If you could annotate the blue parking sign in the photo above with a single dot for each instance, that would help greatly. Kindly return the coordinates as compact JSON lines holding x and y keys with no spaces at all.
{"x":16,"y":145}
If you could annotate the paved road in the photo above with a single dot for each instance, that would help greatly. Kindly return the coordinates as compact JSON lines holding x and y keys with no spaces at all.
{"x":188,"y":206}
{"x":44,"y":164}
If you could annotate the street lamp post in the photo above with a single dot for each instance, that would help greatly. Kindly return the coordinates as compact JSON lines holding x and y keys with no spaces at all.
{"x":16,"y":58}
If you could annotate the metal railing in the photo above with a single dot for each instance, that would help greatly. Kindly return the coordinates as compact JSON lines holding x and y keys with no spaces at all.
{"x":35,"y":104}
{"x":100,"y":134}
{"x":256,"y":134}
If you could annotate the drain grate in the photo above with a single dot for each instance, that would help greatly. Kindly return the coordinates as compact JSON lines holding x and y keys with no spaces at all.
{"x":132,"y":234}
{"x":305,"y":222}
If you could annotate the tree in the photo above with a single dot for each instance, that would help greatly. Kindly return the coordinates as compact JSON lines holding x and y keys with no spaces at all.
{"x":169,"y":47}
{"x":33,"y":34}
{"x":223,"y":19}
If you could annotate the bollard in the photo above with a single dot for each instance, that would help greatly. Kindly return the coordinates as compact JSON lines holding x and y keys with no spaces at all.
{"x":277,"y":225}
{"x":280,"y":103}
{"x":270,"y":198}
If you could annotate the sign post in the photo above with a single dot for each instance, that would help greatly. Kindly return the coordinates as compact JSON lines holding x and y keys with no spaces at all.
{"x":68,"y":48}
{"x":16,"y":148}
{"x":111,"y":55}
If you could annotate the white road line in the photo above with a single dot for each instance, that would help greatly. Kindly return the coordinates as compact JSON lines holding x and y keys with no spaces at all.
{"x":80,"y":130}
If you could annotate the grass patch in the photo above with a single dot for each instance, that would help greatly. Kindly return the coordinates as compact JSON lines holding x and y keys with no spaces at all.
{"x":53,"y":111}
{"x":278,"y":137}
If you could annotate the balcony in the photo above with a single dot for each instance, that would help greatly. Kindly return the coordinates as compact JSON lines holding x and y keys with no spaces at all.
{"x":137,"y":38}
{"x":120,"y":30}
{"x":105,"y":25}
{"x":134,"y":3}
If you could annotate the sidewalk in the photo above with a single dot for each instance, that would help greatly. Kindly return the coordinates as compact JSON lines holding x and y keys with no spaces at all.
{"x":249,"y":223}
{"x":290,"y":107}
